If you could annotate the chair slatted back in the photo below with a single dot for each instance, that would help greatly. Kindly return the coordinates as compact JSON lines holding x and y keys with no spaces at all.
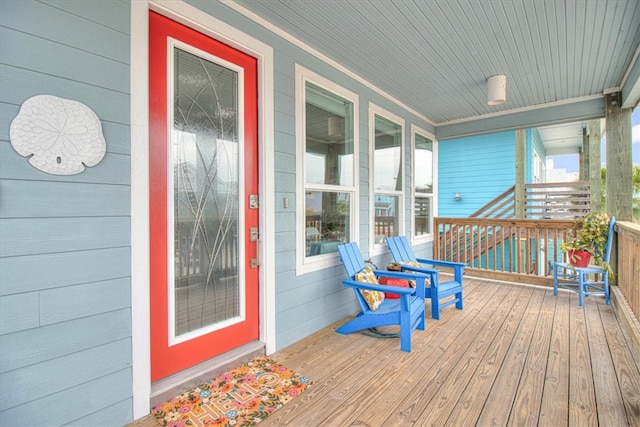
{"x":400,"y":248}
{"x":351,"y":258}
{"x":607,"y":254}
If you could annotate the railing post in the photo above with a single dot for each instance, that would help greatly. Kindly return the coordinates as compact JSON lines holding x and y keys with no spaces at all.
{"x":521,"y":157}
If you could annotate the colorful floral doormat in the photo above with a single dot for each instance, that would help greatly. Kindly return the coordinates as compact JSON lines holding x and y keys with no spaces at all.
{"x":241,"y":397}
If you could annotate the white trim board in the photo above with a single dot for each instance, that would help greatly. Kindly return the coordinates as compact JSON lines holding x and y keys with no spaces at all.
{"x":201,"y":21}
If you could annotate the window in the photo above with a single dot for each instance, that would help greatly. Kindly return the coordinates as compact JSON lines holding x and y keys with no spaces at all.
{"x":386,"y":171}
{"x":423,"y":183}
{"x":326,"y":162}
{"x":538,"y":169}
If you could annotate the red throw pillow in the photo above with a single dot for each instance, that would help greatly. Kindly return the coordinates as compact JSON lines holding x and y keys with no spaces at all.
{"x":390,"y":281}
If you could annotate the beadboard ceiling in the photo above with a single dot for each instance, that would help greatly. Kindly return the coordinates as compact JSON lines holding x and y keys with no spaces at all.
{"x":435,"y":56}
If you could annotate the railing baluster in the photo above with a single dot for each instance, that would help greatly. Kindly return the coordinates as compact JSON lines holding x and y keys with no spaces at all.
{"x":510,"y":249}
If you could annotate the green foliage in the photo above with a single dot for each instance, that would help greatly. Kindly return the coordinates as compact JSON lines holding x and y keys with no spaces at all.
{"x":635,"y":179}
{"x":592,"y":237}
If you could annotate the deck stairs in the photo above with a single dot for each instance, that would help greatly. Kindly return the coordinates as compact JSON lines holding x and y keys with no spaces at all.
{"x":542,"y":201}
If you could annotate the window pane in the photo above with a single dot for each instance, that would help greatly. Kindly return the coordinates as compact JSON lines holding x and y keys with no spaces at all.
{"x":387,"y":172}
{"x":422,"y":216}
{"x":329,"y":132}
{"x":423,"y":166}
{"x":386,"y":217}
{"x":326,"y":221}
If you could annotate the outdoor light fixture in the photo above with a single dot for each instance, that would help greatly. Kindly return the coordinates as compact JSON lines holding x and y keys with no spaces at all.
{"x":497,"y":89}
{"x":457,"y":196}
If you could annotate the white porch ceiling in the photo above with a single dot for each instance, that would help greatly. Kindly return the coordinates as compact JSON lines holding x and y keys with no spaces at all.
{"x":434,"y":56}
{"x":562,"y":139}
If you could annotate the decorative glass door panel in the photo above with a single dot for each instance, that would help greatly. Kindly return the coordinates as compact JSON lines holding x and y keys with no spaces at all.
{"x":205,"y":161}
{"x":203,"y":167}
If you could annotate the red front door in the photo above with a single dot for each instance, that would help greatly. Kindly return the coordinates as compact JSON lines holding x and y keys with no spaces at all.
{"x":203,"y":168}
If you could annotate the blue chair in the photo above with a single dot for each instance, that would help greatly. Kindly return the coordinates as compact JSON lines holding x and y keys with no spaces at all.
{"x":407,"y":311}
{"x":585,"y":281}
{"x":403,"y":255}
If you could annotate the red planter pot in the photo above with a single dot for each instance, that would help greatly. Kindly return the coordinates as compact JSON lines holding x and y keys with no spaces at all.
{"x":579,"y":258}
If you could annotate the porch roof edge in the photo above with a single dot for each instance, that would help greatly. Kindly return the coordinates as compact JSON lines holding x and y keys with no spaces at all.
{"x":553,"y":113}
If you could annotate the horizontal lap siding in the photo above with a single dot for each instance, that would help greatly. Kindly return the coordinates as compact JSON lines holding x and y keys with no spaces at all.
{"x":65,"y":273}
{"x":479,"y":168}
{"x":308,"y":302}
{"x":66,"y":259}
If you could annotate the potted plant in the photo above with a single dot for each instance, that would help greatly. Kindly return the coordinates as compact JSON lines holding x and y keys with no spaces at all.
{"x":590,"y":241}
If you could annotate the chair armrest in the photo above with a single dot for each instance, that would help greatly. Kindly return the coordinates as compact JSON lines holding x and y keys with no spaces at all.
{"x":458,"y":267}
{"x":380,"y":288}
{"x":451,"y":264}
{"x":417,"y":270}
{"x":400,"y":274}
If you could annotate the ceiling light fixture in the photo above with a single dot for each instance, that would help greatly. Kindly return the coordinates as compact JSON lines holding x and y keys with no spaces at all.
{"x":497,"y":89}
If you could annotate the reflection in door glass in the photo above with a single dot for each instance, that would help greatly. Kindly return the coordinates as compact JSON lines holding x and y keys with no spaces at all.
{"x":205,"y":159}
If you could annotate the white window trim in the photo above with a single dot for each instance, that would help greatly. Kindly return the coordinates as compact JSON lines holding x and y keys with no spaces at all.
{"x":306,"y":264}
{"x":375,"y":110}
{"x":434,"y":200}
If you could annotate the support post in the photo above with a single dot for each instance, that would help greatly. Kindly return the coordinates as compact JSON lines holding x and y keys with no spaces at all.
{"x":584,"y":157}
{"x":595,"y":165}
{"x":619,"y":197}
{"x":619,"y":159}
{"x":521,"y":157}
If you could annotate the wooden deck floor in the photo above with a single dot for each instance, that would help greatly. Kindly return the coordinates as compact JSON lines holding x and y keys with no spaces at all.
{"x":516,"y":355}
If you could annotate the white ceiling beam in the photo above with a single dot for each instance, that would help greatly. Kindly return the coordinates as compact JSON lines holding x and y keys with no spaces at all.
{"x":566,"y":112}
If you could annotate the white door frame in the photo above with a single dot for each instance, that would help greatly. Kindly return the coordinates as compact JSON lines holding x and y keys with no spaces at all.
{"x":140,"y":327}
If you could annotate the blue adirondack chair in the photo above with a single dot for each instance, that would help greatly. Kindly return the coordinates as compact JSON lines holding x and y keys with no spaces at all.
{"x":407,"y":311}
{"x":585,"y":281}
{"x":403,"y":253}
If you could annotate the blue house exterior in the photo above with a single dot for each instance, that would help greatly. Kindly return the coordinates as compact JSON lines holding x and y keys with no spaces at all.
{"x":479,"y":168}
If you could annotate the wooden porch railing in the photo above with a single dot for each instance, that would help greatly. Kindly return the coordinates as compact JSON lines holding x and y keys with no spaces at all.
{"x":557,"y":200}
{"x":627,"y":267}
{"x":518,"y":250}
{"x":502,"y":206}
{"x":542,"y":201}
{"x":523,"y":250}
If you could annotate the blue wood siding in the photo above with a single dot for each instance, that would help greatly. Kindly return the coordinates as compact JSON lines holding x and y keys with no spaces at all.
{"x":65,"y":252}
{"x":309,"y":302}
{"x":65,"y":287}
{"x":479,"y":168}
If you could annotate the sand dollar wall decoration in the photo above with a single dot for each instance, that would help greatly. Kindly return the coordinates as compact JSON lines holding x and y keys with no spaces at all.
{"x":58,"y":135}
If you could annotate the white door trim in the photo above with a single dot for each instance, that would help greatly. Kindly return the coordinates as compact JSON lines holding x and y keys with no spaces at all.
{"x":140,"y":328}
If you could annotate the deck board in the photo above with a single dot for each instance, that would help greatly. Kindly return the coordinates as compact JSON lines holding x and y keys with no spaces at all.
{"x":455,"y":380}
{"x":582,"y":399}
{"x":516,"y":355}
{"x":526,"y":406}
{"x":608,"y":397}
{"x":499,"y":403}
{"x":624,"y":364}
{"x":468,"y":406}
{"x":556,"y":385}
